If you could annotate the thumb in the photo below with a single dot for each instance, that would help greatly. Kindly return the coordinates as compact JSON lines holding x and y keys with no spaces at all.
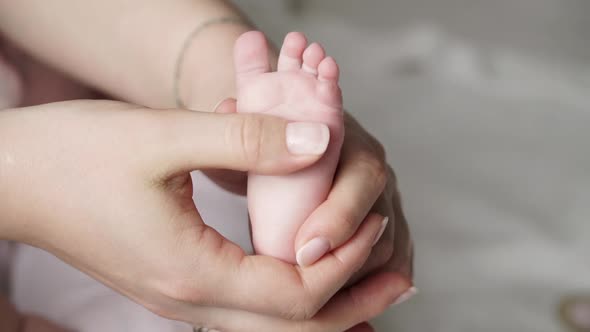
{"x":189,"y":140}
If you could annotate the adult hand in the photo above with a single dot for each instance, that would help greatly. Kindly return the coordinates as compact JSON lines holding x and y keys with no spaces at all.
{"x":363,"y":184}
{"x":105,"y":186}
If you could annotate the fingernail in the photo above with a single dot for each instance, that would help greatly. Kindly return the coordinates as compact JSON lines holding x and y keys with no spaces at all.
{"x":405,"y":296}
{"x":312,"y":251}
{"x":217,"y":105}
{"x":381,"y":230}
{"x":307,"y":138}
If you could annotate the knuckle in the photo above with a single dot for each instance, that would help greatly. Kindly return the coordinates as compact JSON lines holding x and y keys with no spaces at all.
{"x":183,"y":291}
{"x":348,"y":220}
{"x":381,"y":176}
{"x":250,"y":138}
{"x":301,"y":308}
{"x":368,"y":309}
{"x":294,"y":313}
{"x":378,"y":149}
{"x":376,"y":168}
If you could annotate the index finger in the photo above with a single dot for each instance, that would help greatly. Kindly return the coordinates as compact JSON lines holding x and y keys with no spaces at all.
{"x":359,"y":181}
{"x":224,"y":277}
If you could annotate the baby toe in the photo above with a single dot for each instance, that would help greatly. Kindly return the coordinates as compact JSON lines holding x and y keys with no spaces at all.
{"x":312,"y":56}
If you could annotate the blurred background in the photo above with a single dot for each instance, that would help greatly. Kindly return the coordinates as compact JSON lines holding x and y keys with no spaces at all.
{"x":484,"y":108}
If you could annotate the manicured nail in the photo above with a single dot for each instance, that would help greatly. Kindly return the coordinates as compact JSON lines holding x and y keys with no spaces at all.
{"x":312,"y":251}
{"x":307,"y":138}
{"x":405,"y":296}
{"x":381,"y":230}
{"x":217,"y":105}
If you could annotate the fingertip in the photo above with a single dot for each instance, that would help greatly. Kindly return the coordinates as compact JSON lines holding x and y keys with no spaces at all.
{"x":369,"y":230}
{"x":405,"y":296}
{"x":307,"y":138}
{"x":315,"y":228}
{"x":365,"y":300}
{"x":385,"y":289}
{"x":225,"y":106}
{"x":274,"y":146}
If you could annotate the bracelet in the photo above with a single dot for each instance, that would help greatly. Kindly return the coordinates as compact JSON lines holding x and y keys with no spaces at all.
{"x":186,"y":45}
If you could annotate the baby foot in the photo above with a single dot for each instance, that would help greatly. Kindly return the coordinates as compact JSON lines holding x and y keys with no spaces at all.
{"x":304,"y":88}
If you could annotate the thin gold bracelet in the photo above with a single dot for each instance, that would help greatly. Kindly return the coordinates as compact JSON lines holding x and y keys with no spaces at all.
{"x":186,"y":45}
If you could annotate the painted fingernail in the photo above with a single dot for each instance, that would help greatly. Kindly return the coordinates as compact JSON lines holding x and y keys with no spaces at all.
{"x":405,"y":296}
{"x":381,"y":230}
{"x":312,"y":251}
{"x":307,"y":138}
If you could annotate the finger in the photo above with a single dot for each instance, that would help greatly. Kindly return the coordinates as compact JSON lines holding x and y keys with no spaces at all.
{"x":403,"y":251}
{"x":188,"y":140}
{"x":359,"y":181}
{"x":226,"y":106}
{"x":253,"y":282}
{"x":347,"y":311}
{"x":381,"y":255}
{"x":383,"y":250}
{"x":232,"y":181}
{"x":364,"y":301}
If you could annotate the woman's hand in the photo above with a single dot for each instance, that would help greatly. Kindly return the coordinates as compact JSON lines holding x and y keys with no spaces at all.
{"x":105,"y":186}
{"x":364,"y":184}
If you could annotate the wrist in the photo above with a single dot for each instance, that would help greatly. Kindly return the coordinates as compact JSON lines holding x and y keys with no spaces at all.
{"x":207,"y":73}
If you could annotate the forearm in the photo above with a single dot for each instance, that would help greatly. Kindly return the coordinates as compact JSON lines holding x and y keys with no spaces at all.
{"x":129,"y":49}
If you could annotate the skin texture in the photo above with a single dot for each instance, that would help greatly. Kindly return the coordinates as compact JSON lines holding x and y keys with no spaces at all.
{"x":96,"y":60}
{"x":305,"y":88}
{"x":188,"y":271}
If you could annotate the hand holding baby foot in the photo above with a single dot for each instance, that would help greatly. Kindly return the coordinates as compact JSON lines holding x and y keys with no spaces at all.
{"x":136,"y":229}
{"x":304,"y":88}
